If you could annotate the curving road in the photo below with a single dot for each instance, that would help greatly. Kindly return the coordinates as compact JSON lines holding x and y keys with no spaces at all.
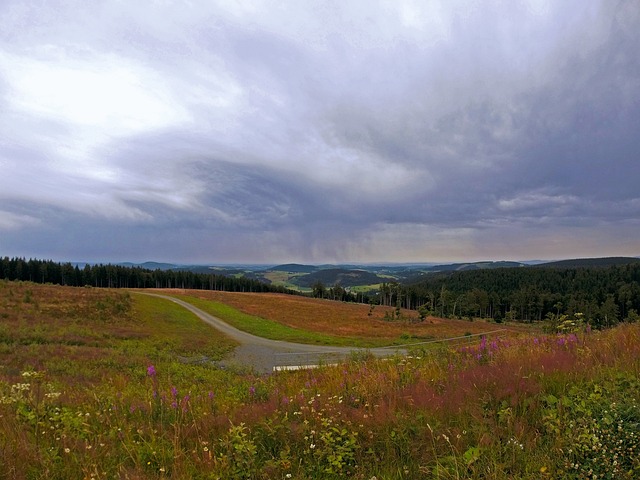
{"x":265,"y":355}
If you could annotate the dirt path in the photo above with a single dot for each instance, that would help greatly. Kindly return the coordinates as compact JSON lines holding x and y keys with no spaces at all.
{"x":264,"y":354}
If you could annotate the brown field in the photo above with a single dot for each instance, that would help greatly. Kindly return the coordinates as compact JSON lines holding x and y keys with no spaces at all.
{"x":345,"y":319}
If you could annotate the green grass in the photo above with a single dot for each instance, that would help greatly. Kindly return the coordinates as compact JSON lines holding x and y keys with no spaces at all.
{"x":366,"y":288}
{"x":270,"y":329}
{"x":284,"y":279}
{"x":176,"y":331}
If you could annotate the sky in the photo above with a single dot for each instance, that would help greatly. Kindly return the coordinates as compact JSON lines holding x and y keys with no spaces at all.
{"x":319,"y":131}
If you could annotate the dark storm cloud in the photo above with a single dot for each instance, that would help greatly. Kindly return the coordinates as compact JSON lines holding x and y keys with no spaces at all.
{"x":555,"y":148}
{"x":318,"y":132}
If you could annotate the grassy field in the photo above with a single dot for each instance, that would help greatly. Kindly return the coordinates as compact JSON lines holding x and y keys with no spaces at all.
{"x":284,"y":279}
{"x":108,"y":384}
{"x":309,"y":320}
{"x":270,"y":328}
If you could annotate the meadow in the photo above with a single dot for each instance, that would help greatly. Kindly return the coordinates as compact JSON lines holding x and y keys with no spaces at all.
{"x":320,"y":321}
{"x":284,"y":279}
{"x":98,"y":383}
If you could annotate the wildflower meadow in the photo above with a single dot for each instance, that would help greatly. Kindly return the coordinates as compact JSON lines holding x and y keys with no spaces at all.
{"x":98,"y":384}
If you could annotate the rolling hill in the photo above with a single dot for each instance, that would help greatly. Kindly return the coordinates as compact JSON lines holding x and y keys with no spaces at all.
{"x":339,"y":276}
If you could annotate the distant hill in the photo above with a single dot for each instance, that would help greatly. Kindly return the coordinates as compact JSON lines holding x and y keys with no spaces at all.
{"x":293,"y":268}
{"x":590,"y":262}
{"x":149,"y":265}
{"x":342,"y":277}
{"x":351,"y":275}
{"x":448,"y":269}
{"x":457,"y":267}
{"x":229,"y":272}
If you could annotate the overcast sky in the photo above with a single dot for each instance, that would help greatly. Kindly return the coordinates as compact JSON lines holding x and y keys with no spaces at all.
{"x":319,"y":131}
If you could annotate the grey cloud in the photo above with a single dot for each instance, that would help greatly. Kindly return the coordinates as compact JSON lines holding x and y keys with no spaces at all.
{"x":353,"y":131}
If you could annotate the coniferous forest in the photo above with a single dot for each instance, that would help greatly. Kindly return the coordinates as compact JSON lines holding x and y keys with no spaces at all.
{"x":603,"y":295}
{"x":118,"y":276}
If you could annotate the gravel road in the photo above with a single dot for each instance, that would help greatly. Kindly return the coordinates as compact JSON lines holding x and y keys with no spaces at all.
{"x":265,"y":355}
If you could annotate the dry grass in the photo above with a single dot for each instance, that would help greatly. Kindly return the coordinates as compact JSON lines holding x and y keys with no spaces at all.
{"x":345,"y":319}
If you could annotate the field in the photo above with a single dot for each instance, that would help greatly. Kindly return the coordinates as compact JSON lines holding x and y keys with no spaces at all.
{"x":284,"y":279}
{"x":335,"y":322}
{"x":111,"y":384}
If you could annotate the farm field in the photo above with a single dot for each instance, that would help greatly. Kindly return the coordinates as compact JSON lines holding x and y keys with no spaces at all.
{"x":284,"y":279}
{"x":109,"y":384}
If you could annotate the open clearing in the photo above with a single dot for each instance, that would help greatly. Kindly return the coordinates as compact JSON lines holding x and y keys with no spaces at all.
{"x":353,"y":322}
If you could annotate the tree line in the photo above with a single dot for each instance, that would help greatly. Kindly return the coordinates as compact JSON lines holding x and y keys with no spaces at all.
{"x":338,"y":293}
{"x":603,"y":295}
{"x":118,"y":276}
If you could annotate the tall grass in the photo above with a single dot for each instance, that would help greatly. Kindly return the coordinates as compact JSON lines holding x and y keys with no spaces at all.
{"x":131,"y":402}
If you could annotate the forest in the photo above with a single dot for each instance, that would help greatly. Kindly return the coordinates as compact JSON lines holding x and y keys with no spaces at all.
{"x":604,"y":296}
{"x":118,"y":276}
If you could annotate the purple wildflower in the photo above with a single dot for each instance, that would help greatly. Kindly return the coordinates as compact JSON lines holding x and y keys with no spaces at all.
{"x":151,"y":371}
{"x":185,"y":402}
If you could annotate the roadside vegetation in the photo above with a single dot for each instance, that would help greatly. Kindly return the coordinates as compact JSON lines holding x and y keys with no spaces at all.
{"x":98,"y":383}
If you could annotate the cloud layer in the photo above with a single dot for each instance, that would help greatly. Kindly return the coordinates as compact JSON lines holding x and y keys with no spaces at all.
{"x":192,"y":131}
